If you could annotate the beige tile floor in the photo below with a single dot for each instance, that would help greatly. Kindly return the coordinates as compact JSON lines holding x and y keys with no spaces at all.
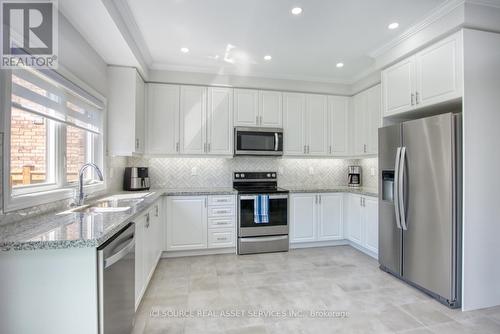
{"x":334,"y":279}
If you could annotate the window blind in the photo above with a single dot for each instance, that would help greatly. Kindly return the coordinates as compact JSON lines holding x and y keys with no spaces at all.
{"x":49,"y":95}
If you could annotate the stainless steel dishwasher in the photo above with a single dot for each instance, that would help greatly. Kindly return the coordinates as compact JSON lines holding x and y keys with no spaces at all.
{"x":116,"y":273}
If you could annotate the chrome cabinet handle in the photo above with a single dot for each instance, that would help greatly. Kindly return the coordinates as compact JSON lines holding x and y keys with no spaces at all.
{"x":177,"y":145}
{"x":257,"y":120}
{"x":147,"y":220}
{"x":361,"y":201}
{"x":315,"y":199}
{"x":260,"y":120}
{"x":401,"y":188}
{"x":416,"y":98}
{"x":206,"y":202}
{"x":396,"y":187}
{"x":209,"y":149}
{"x":136,"y":143}
{"x":412,"y":99}
{"x":330,"y":149}
{"x":157,"y":211}
{"x":319,"y":196}
{"x":304,"y":149}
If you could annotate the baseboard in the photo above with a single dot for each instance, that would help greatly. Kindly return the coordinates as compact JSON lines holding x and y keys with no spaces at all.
{"x":363,"y":249}
{"x":198,"y":252}
{"x":319,"y":244}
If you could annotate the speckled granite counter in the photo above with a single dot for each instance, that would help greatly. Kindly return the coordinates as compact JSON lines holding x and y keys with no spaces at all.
{"x":65,"y":229}
{"x":335,"y":189}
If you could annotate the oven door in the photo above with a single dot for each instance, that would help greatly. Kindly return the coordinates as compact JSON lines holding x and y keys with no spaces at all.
{"x":258,"y":141}
{"x":278,"y":216}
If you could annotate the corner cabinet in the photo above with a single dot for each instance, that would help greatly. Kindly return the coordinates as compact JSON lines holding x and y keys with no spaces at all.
{"x":316,"y":217}
{"x":431,"y":76}
{"x":361,"y":219}
{"x":258,"y":108}
{"x":126,"y":111}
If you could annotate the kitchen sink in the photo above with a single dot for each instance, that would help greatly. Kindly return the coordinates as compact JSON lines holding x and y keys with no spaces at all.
{"x":114,"y":203}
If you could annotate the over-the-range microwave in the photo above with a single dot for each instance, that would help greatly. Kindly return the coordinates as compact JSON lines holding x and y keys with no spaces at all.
{"x":258,"y":141}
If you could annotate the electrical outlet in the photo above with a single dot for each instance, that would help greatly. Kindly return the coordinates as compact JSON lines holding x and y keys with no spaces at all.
{"x":281,"y":170}
{"x":194,"y":171}
{"x":311,"y":170}
{"x":372,"y":171}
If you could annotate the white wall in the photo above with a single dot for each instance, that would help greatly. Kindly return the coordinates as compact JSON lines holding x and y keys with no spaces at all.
{"x":481,"y":212}
{"x":247,"y":82}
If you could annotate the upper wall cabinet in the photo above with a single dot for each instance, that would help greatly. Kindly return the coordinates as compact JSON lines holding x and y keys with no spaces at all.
{"x":294,"y":107}
{"x":366,"y":120}
{"x":316,"y":124}
{"x":220,"y":121}
{"x":193,"y":130}
{"x":432,"y":76}
{"x":126,"y":111}
{"x":162,"y":135}
{"x":338,"y":120}
{"x":257,"y":108}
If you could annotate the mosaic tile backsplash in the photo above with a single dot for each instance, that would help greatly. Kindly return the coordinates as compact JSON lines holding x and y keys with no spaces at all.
{"x":218,"y":172}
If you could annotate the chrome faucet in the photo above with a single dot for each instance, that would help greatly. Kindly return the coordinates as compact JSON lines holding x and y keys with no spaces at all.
{"x":81,"y":196}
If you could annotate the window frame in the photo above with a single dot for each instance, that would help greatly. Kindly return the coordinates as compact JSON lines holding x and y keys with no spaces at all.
{"x":16,"y":199}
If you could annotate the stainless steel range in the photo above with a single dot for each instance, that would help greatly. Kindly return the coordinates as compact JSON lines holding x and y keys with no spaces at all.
{"x":262,"y":213}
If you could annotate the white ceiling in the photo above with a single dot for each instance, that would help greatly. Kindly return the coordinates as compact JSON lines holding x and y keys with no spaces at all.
{"x":304,"y":47}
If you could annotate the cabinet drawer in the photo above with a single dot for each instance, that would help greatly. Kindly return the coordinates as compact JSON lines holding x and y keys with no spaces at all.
{"x":219,"y":238}
{"x":223,"y":222}
{"x":220,"y":200}
{"x":221,"y":211}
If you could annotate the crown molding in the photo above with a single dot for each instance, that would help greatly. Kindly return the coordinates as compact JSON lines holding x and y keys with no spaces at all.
{"x":487,"y":3}
{"x":265,"y":75}
{"x":429,"y":19}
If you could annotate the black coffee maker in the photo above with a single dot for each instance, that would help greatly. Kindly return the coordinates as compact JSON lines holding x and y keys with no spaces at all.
{"x":354,"y":176}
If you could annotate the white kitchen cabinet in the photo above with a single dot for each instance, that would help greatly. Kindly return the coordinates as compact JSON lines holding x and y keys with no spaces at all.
{"x":294,"y":106}
{"x":162,"y":117}
{"x":338,"y":123}
{"x":258,"y":108}
{"x":330,"y":217}
{"x":219,"y":139}
{"x":270,"y":109}
{"x":362,"y":222}
{"x":316,"y":124}
{"x":126,"y":111}
{"x":431,"y":76}
{"x":200,"y":222}
{"x":193,"y":105}
{"x":316,"y":217}
{"x":370,"y":217}
{"x":246,"y":107}
{"x":186,"y":223}
{"x":366,"y":120}
{"x":303,"y":217}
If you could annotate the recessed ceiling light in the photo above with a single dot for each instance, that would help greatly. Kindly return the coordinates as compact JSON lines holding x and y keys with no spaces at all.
{"x":339,"y":65}
{"x":393,"y":25}
{"x":296,"y":10}
{"x":268,"y":57}
{"x":184,"y":50}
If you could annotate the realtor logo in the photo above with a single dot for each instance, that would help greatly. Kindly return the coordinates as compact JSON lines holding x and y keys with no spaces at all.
{"x":29,"y":34}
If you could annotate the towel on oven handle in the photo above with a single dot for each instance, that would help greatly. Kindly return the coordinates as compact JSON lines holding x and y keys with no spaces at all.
{"x":261,"y":209}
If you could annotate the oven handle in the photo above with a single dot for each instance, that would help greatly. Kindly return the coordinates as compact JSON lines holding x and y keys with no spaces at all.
{"x":270,"y":196}
{"x":261,"y":239}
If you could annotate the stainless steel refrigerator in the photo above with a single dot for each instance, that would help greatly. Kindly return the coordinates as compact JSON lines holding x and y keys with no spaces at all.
{"x":420,"y":204}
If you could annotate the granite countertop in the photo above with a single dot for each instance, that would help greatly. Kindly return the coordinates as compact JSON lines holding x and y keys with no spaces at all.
{"x":66,"y":229}
{"x":333,"y":189}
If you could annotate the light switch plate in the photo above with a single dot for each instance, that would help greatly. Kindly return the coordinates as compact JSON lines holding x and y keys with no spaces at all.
{"x":372,"y":171}
{"x":311,"y":170}
{"x":281,"y":170}
{"x":194,"y":171}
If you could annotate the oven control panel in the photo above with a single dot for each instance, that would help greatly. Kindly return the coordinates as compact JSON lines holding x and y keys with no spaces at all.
{"x":254,"y":176}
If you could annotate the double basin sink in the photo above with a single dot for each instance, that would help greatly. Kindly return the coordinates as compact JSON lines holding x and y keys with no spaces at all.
{"x":110,"y":204}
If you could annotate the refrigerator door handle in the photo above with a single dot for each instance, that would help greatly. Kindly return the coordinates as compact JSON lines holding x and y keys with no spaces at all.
{"x":402,"y":163}
{"x":396,"y":187}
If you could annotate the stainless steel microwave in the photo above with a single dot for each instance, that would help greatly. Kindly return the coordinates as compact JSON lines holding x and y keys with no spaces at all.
{"x":258,"y":141}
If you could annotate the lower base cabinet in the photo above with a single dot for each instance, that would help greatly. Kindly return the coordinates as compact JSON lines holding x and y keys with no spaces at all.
{"x":148,"y":246}
{"x":200,"y":222}
{"x":362,"y":221}
{"x":316,"y":217}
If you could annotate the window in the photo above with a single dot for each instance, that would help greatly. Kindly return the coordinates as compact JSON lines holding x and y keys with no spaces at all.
{"x":55,"y":127}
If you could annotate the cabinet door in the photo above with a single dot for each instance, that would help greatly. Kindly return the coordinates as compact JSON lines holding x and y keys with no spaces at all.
{"x":140,"y":114}
{"x":157,"y":217}
{"x":293,"y":123}
{"x":186,"y":223}
{"x":398,"y":87}
{"x":140,"y":223}
{"x":148,"y":256}
{"x":439,"y":72}
{"x":359,"y":124}
{"x":303,"y":217}
{"x":330,"y":215}
{"x":317,"y":124}
{"x":270,"y":109}
{"x":370,"y":217}
{"x":246,"y":107}
{"x":163,"y":119}
{"x":374,"y":117}
{"x":355,"y":229}
{"x":193,"y":119}
{"x":338,"y":108}
{"x":220,"y":121}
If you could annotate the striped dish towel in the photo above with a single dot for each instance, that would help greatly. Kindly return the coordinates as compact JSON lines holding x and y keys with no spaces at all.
{"x":261,"y":209}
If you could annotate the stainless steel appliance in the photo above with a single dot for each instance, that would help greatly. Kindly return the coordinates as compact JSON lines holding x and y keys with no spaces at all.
{"x":420,"y":204}
{"x":136,"y":178}
{"x":258,"y":141}
{"x":354,"y":176}
{"x":116,"y":279}
{"x":261,"y":237}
